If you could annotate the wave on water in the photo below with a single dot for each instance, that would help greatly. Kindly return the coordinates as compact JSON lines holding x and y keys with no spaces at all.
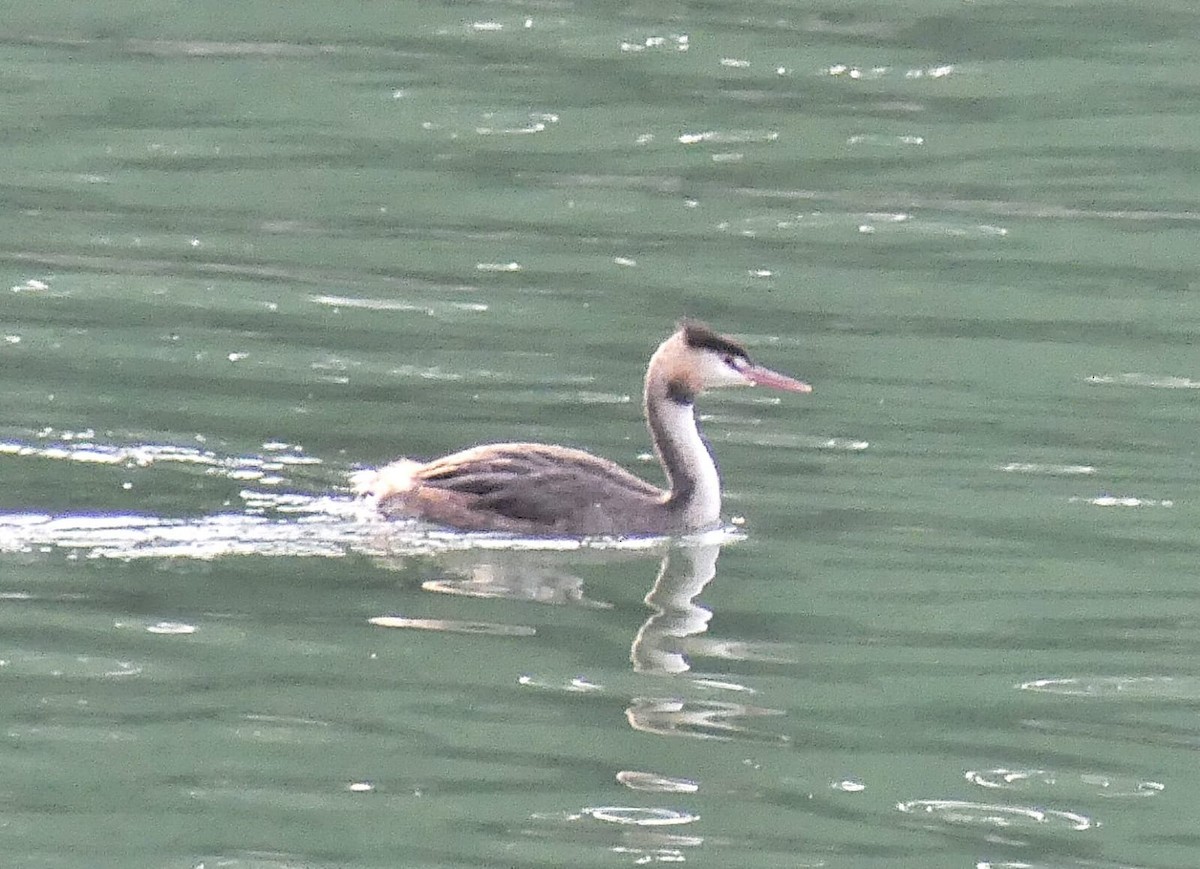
{"x":1152,"y":381}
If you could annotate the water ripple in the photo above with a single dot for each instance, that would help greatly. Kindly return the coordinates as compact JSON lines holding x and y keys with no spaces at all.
{"x":430,"y":307}
{"x":729,"y":137}
{"x":1122,"y":501}
{"x":500,"y":578}
{"x":492,"y":123}
{"x":640,"y":816}
{"x":127,"y":537}
{"x":897,"y":224}
{"x":637,"y":816}
{"x":576,"y":685}
{"x":700,"y":719}
{"x":79,"y":447}
{"x":283,"y":730}
{"x":640,"y":834}
{"x":649,"y":781}
{"x":258,"y":859}
{"x":1038,"y":781}
{"x":75,"y":734}
{"x":862,"y":73}
{"x":788,"y":440}
{"x":1132,"y":687}
{"x":972,"y":814}
{"x":1153,"y":381}
{"x":655,"y":42}
{"x":1051,"y":470}
{"x":452,"y":626}
{"x":1080,"y":864}
{"x":171,"y":628}
{"x":23,"y":663}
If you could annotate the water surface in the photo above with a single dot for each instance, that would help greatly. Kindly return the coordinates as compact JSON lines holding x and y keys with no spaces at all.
{"x":248,"y":250}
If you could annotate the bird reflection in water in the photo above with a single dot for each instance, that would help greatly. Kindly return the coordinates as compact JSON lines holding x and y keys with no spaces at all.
{"x":666,"y":643}
{"x":549,"y":577}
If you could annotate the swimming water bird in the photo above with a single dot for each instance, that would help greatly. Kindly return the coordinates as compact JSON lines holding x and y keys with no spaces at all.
{"x":543,"y":489}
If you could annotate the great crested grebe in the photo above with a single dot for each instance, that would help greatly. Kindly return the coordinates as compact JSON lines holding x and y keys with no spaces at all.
{"x":543,"y":489}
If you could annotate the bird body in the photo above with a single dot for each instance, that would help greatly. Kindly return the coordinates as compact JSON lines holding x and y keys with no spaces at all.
{"x":545,"y":489}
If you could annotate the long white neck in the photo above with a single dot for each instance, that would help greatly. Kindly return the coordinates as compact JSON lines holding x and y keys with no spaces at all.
{"x":691,"y":471}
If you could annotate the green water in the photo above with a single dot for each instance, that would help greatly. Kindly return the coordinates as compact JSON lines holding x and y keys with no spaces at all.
{"x":247,"y":249}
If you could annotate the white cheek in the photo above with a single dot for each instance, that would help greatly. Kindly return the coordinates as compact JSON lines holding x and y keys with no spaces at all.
{"x":715,"y":373}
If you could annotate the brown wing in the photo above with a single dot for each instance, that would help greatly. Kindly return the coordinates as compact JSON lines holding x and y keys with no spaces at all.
{"x":527,"y":488}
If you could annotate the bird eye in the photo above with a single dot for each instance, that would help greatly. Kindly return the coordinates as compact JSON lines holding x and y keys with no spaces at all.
{"x":732,"y":361}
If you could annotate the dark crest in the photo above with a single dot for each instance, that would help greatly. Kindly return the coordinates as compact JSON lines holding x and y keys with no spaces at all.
{"x":701,"y":337}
